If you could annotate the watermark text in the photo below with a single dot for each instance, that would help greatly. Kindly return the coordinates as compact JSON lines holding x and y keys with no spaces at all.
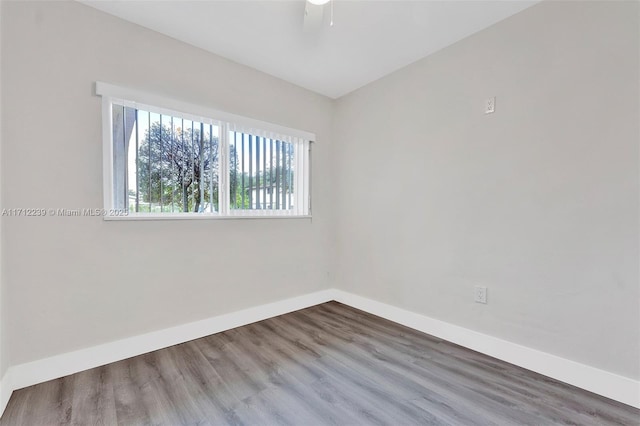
{"x":63,"y":212}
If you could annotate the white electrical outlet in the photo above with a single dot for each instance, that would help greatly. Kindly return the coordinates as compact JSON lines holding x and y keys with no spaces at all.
{"x":490,"y":105}
{"x":480,"y":294}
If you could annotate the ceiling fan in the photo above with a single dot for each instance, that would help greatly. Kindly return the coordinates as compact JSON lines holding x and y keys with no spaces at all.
{"x":314,"y":14}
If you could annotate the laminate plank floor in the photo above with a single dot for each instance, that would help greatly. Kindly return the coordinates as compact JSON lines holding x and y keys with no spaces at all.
{"x":328,"y":364}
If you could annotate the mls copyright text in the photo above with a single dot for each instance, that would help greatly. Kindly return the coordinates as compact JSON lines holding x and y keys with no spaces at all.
{"x":59,"y":212}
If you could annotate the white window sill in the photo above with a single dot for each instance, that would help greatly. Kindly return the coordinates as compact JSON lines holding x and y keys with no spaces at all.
{"x":198,"y":216}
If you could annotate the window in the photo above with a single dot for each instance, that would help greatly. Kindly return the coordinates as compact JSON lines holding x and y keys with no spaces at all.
{"x":167,"y":159}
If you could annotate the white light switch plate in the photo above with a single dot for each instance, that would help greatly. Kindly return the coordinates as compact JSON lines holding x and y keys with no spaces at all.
{"x":490,"y":105}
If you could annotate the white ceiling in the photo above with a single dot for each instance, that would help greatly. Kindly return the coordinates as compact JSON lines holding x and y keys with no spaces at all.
{"x":369,"y":39}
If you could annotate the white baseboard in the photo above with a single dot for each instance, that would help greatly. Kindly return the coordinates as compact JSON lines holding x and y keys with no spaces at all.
{"x":6,"y":389}
{"x":619,"y":388}
{"x":592,"y":379}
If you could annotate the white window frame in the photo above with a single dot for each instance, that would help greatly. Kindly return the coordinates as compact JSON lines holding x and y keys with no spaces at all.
{"x":142,"y":100}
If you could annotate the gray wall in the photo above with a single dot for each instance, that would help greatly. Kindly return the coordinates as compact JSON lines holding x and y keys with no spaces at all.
{"x":538,"y":201}
{"x":76,"y":282}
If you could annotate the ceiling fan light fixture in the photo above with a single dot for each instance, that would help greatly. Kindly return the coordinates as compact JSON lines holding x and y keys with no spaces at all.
{"x":318,"y":2}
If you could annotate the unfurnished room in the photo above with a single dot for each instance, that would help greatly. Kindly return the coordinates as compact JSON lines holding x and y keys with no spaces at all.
{"x":319,"y":212}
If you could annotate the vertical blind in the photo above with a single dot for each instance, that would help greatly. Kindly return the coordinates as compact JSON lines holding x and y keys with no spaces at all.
{"x":270,"y":172}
